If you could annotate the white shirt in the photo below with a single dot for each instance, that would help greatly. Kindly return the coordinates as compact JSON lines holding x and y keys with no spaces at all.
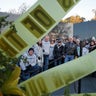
{"x":84,"y":51}
{"x":46,"y":47}
{"x":29,"y":60}
{"x":51,"y":52}
{"x":39,"y":53}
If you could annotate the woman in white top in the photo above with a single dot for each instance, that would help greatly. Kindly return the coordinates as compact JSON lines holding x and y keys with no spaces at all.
{"x":51,"y":56}
{"x":39,"y":53}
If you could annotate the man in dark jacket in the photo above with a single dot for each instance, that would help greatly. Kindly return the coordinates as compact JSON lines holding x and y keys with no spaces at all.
{"x":58,"y":52}
{"x":70,"y":50}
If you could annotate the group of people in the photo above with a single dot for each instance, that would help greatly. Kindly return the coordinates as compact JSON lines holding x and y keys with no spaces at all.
{"x":48,"y":53}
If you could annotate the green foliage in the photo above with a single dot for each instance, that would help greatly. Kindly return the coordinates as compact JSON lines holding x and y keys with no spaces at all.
{"x":9,"y":72}
{"x":12,"y":26}
{"x":4,"y":22}
{"x":9,"y":76}
{"x":7,"y":65}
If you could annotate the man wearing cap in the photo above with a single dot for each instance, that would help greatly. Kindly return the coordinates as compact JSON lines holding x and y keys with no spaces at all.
{"x":58,"y":52}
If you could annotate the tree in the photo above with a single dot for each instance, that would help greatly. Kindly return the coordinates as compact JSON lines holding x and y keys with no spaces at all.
{"x":74,"y":19}
{"x":3,"y":22}
{"x":22,"y":9}
{"x":9,"y":72}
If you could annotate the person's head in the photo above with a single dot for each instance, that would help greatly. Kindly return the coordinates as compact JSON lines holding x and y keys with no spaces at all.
{"x":83,"y":44}
{"x":92,"y":43}
{"x":46,"y":38}
{"x":52,"y":41}
{"x":78,"y":41}
{"x":93,"y":38}
{"x":70,"y":39}
{"x":66,"y":40}
{"x":95,"y":42}
{"x":59,"y":41}
{"x":39,"y":43}
{"x":30,"y":51}
{"x":87,"y":42}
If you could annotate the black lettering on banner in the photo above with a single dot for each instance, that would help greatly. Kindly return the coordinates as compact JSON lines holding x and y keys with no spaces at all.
{"x":15,"y":39}
{"x":66,"y":4}
{"x":33,"y":27}
{"x":7,"y":48}
{"x":42,"y":85}
{"x":42,"y":17}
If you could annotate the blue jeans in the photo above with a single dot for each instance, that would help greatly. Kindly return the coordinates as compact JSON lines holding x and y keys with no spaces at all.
{"x":24,"y":75}
{"x":57,"y":62}
{"x":69,"y":58}
{"x":34,"y":70}
{"x":46,"y":62}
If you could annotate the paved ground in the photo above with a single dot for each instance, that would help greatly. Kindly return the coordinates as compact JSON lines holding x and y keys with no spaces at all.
{"x":88,"y":85}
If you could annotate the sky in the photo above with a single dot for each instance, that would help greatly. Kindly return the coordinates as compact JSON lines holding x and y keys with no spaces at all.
{"x":83,"y":8}
{"x":6,"y":5}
